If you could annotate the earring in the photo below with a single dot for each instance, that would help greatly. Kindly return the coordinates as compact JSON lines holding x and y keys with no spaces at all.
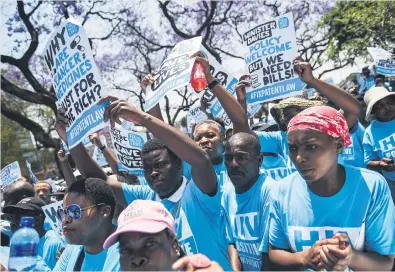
{"x":177,"y":249}
{"x":105,"y":215}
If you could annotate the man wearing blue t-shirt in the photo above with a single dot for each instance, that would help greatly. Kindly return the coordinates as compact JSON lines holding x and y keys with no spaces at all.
{"x":246,"y":201}
{"x":195,"y":205}
{"x":49,"y":243}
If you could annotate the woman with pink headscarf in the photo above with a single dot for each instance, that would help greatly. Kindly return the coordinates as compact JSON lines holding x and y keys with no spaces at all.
{"x":327,"y":215}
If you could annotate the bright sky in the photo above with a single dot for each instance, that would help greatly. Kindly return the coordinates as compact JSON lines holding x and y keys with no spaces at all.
{"x":235,"y":66}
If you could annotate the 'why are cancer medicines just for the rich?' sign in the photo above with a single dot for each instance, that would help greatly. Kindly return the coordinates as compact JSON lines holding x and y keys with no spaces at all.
{"x":76,"y":80}
{"x":271,"y":51}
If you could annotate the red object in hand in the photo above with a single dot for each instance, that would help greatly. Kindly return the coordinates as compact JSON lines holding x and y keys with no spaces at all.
{"x":198,"y":79}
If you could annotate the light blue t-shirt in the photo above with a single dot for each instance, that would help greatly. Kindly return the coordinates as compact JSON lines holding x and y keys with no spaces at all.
{"x":379,"y":143}
{"x":368,"y":83}
{"x":106,"y":260}
{"x":276,"y":142}
{"x":200,"y":220}
{"x":363,"y":209}
{"x":219,"y":169}
{"x":275,"y":167}
{"x":248,"y":214}
{"x":5,"y":254}
{"x":48,"y":247}
{"x":353,"y":154}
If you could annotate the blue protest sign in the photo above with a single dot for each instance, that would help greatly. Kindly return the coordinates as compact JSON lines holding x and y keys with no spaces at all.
{"x":9,"y":174}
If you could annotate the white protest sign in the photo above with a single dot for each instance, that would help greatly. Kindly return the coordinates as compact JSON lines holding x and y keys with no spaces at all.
{"x":271,"y":51}
{"x":9,"y":174}
{"x":384,"y":64}
{"x":127,"y":147}
{"x":31,"y":174}
{"x":76,"y":80}
{"x":53,"y":217}
{"x":196,"y":114}
{"x":174,"y":72}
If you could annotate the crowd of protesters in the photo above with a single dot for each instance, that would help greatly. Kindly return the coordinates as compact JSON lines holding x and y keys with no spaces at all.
{"x":317,"y":193}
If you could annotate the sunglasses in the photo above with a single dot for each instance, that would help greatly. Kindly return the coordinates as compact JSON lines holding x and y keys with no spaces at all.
{"x":74,"y":211}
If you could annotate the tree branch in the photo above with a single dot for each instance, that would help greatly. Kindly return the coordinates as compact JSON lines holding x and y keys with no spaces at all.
{"x":26,"y":95}
{"x":172,"y":22}
{"x":39,"y":133}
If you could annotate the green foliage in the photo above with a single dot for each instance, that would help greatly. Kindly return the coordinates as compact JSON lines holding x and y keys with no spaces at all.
{"x":10,"y":149}
{"x":353,"y":26}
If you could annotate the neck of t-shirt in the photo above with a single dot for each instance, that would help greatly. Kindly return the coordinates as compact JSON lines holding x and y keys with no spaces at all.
{"x":99,"y":238}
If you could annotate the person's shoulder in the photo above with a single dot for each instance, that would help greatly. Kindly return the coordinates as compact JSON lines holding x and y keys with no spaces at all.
{"x":374,"y":181}
{"x":267,"y":182}
{"x":69,"y":250}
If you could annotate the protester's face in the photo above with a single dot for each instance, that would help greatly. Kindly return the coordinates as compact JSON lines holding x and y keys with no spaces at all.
{"x":84,"y":230}
{"x":146,"y":252}
{"x":313,"y":153}
{"x":42,"y":191}
{"x":384,"y":109}
{"x":241,"y":163}
{"x":161,"y":171}
{"x":208,"y":137}
{"x":290,"y":112}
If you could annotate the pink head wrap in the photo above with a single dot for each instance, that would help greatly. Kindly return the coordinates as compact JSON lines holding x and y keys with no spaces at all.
{"x":323,"y":119}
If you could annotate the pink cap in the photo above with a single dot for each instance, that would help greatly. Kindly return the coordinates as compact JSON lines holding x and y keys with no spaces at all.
{"x":144,"y":216}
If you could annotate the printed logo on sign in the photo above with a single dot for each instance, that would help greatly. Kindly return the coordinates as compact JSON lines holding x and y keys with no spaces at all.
{"x":387,"y":146}
{"x":71,"y":29}
{"x":135,"y":140}
{"x":303,"y":238}
{"x":283,"y":22}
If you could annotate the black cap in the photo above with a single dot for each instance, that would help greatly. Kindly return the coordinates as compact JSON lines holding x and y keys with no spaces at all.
{"x":27,"y":206}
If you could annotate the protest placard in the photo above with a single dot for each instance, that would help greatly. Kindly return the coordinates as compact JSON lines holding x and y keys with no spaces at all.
{"x":271,"y":51}
{"x":53,"y":217}
{"x":33,"y":177}
{"x":253,"y":109}
{"x":174,"y":72}
{"x":127,"y":147}
{"x":196,"y":114}
{"x":76,"y":80}
{"x":384,"y":64}
{"x":9,"y":174}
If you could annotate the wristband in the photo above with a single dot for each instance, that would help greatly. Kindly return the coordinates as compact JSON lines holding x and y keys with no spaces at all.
{"x":212,"y":84}
{"x":102,"y":148}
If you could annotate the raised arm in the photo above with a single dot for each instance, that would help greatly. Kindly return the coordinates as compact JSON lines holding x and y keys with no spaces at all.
{"x":108,"y":155}
{"x":232,"y":108}
{"x":185,"y":148}
{"x":345,"y":101}
{"x":66,"y":168}
{"x":85,"y":163}
{"x":155,"y":110}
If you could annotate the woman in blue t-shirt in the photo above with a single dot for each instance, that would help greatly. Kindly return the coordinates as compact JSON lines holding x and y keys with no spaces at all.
{"x":329,"y":216}
{"x":379,"y":137}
